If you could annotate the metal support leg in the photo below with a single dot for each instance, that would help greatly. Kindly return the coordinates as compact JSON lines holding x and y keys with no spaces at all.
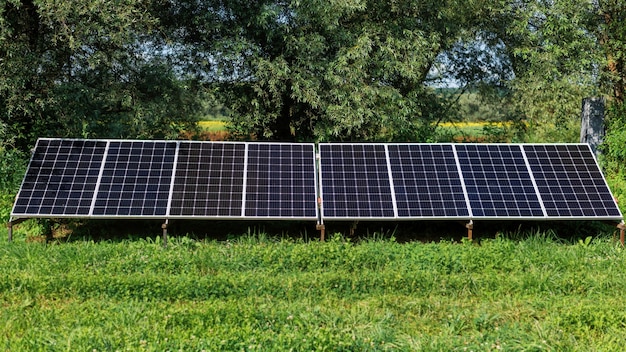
{"x":353,"y":228}
{"x":164,"y":227}
{"x":470,"y":228}
{"x":10,"y":225}
{"x":322,"y":229}
{"x":621,"y":226}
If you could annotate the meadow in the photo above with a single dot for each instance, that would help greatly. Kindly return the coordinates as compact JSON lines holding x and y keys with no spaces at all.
{"x":522,"y":292}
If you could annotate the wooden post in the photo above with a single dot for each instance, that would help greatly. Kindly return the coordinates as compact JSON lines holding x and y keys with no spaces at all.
{"x":164,"y":227}
{"x":592,"y":123}
{"x":322,"y":230}
{"x":470,"y":230}
{"x":621,"y":228}
{"x":10,"y":230}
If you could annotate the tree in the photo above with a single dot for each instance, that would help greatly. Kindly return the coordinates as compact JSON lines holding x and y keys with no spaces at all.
{"x":85,"y":69}
{"x":351,"y":70}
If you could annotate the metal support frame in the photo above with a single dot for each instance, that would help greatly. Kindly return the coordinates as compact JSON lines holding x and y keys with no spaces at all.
{"x":320,"y":221}
{"x":470,"y":230}
{"x":322,"y":229}
{"x":621,"y":226}
{"x":10,"y":227}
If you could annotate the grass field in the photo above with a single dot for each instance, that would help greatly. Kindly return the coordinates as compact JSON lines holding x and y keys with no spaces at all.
{"x":261,"y":294}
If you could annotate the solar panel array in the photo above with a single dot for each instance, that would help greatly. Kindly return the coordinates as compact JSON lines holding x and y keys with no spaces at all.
{"x":245,"y":180}
{"x":167,"y":179}
{"x":463,"y":181}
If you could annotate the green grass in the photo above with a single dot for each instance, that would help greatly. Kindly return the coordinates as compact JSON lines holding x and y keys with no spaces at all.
{"x":258,"y":293}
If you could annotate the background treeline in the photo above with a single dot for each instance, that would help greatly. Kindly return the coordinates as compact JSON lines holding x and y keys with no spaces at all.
{"x":308,"y":70}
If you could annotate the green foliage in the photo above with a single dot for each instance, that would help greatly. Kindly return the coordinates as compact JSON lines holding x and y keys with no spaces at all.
{"x":262,"y":293}
{"x":88,"y":69}
{"x":614,"y":152}
{"x":337,"y":71}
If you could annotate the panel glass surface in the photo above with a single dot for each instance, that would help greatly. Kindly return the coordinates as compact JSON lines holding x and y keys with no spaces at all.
{"x":426,"y":181}
{"x":209,"y":180}
{"x":136,"y":179}
{"x":570,"y":182}
{"x":497,"y":181}
{"x":61,"y":178}
{"x":355,"y":181}
{"x":281,"y":181}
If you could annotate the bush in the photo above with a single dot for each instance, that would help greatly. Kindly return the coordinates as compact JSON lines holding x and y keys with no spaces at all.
{"x":614,"y":153}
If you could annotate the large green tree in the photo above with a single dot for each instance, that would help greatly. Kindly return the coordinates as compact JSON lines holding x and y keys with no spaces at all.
{"x":86,"y":69}
{"x":304,"y":70}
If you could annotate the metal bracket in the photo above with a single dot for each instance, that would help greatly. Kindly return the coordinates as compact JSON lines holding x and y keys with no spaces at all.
{"x":10,"y":227}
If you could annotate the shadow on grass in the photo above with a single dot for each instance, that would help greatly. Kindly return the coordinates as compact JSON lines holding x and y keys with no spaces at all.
{"x":400,"y":231}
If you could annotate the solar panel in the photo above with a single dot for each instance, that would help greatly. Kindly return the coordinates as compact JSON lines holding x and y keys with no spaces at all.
{"x":281,"y":181}
{"x":497,"y":181}
{"x":61,"y":178}
{"x":427,"y":182}
{"x":355,"y":181}
{"x":570,"y":182}
{"x":209,"y":180}
{"x":166,"y":179}
{"x":135,"y":179}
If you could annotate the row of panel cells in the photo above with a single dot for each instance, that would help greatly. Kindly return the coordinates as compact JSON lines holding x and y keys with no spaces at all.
{"x":491,"y":209}
{"x":444,"y":209}
{"x":559,"y":190}
{"x":273,"y":211}
{"x":72,"y":151}
{"x":71,"y":207}
{"x":362,"y":210}
{"x":56,"y":197}
{"x":130,"y":207}
{"x":185,"y":162}
{"x":231,"y":205}
{"x":203,"y":176}
{"x":298,"y":196}
{"x":572,"y":208}
{"x":63,"y":182}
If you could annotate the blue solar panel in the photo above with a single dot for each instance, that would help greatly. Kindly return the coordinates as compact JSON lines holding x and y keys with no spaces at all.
{"x":355,"y":181}
{"x":135,"y":179}
{"x":61,"y":178}
{"x":166,"y":179}
{"x":281,"y":181}
{"x":427,"y":182}
{"x":497,"y":181}
{"x":209,"y":180}
{"x":570,"y":182}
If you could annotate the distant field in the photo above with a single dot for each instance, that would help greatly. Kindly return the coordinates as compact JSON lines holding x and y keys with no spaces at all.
{"x":461,"y":129}
{"x":263,"y":294}
{"x":212,"y":125}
